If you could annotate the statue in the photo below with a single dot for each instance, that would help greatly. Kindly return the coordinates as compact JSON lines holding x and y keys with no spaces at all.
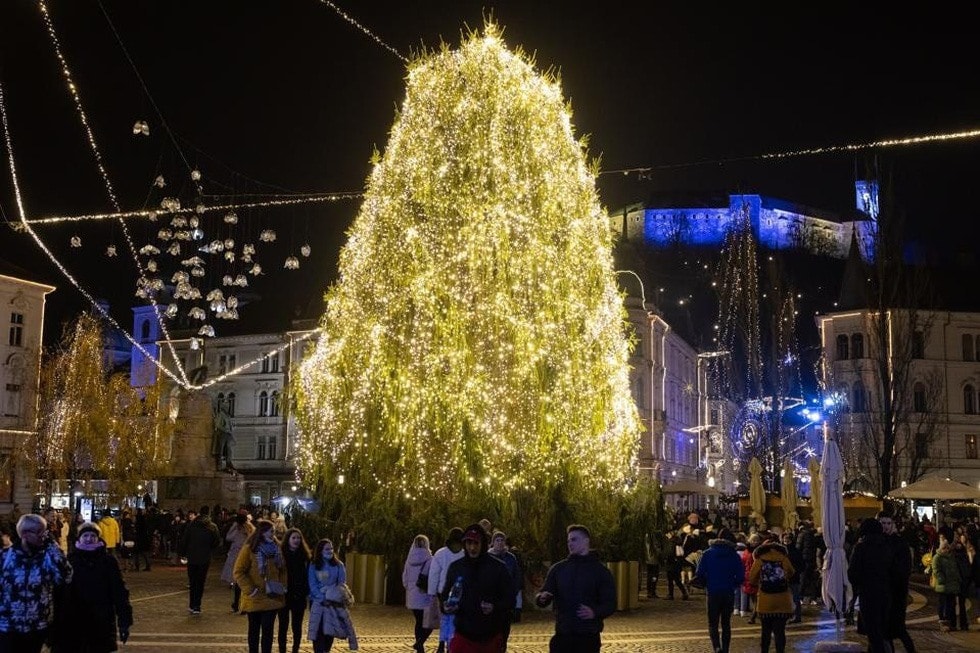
{"x":224,"y":438}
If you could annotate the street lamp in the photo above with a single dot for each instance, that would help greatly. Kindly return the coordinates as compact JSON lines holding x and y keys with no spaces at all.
{"x":702,"y":411}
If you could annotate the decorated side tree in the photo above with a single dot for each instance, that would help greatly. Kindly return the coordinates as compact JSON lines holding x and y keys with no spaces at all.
{"x":92,"y":426}
{"x":473,"y":355}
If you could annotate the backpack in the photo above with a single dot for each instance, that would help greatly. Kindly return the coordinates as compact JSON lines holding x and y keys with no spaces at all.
{"x":772,"y":580}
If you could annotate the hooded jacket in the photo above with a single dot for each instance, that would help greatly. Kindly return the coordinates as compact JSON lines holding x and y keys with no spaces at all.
{"x":484,"y":579}
{"x":772,"y":603}
{"x":418,"y":561}
{"x":721,"y":567}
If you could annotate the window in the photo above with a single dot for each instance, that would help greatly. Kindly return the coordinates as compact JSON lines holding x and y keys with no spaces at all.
{"x":919,"y":397}
{"x":263,"y":403}
{"x":145,"y":330}
{"x":265,"y":447}
{"x":11,"y":405}
{"x":968,"y":351}
{"x":271,"y":447}
{"x":260,"y":448}
{"x":970,"y":445}
{"x":230,"y":404}
{"x":713,"y":419}
{"x":16,"y":337}
{"x":274,"y":404}
{"x":232,"y":362}
{"x":274,"y":360}
{"x":842,"y":354}
{"x":857,"y":346}
{"x":265,"y":364}
{"x":918,"y":345}
{"x":638,"y":392}
{"x":220,"y":399}
{"x":222,"y":364}
{"x":969,"y":400}
{"x":859,"y":402}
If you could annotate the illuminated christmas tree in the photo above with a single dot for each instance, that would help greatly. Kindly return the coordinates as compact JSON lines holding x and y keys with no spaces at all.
{"x":474,"y":345}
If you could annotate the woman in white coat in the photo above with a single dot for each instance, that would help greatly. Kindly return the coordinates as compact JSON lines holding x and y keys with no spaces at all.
{"x":416,"y":599}
{"x":237,"y":534}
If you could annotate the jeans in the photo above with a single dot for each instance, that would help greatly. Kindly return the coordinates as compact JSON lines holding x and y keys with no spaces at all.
{"x":196,"y":575}
{"x":720,"y":606}
{"x":774,"y":628}
{"x":292,"y":613}
{"x":260,"y":624}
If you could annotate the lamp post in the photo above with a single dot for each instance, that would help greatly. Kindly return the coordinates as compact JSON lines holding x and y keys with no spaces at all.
{"x":702,"y":411}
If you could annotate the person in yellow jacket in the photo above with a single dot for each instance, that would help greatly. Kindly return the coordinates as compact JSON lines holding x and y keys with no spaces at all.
{"x":260,"y":571}
{"x":771,"y":571}
{"x":111,"y":533}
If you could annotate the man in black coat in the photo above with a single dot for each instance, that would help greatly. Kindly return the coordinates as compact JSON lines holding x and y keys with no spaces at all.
{"x":197,"y":544}
{"x":584,"y":593}
{"x":870,"y":570}
{"x":480,"y":594}
{"x":902,"y":557}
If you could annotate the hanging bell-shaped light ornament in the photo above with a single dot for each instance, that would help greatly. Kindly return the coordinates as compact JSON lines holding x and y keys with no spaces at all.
{"x":151,"y":265}
{"x":292,"y":263}
{"x":231,"y":217}
{"x":227,"y":280}
{"x":141,"y":127}
{"x":201,"y":208}
{"x":256,"y":270}
{"x":197,"y":313}
{"x":206,"y":330}
{"x":229,"y":243}
{"x":76,"y":241}
{"x":198,"y":272}
{"x":230,"y":256}
{"x":149,"y":250}
{"x":195,"y":344}
{"x":174,"y":249}
{"x":178,"y":221}
{"x":241,"y":281}
{"x":267,"y":236}
{"x":152,"y":216}
{"x":171,"y":311}
{"x":165,"y":234}
{"x":305,"y":250}
{"x":216,"y":246}
{"x":194,"y":222}
{"x":231,"y":302}
{"x":159,"y":182}
{"x":196,"y":174}
{"x":110,"y":251}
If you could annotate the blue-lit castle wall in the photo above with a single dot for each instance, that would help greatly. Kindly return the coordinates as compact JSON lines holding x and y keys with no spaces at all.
{"x":776,"y":224}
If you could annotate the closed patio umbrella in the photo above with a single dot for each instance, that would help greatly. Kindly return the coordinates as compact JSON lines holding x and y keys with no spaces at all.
{"x":757,"y":493}
{"x":814,"y":466}
{"x":834,"y":586}
{"x":789,"y":496}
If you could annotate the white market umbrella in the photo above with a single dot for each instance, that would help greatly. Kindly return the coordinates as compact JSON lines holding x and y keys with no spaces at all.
{"x":938,"y":489}
{"x":814,"y":467}
{"x":834,"y":584}
{"x":757,"y":493}
{"x":789,"y":496}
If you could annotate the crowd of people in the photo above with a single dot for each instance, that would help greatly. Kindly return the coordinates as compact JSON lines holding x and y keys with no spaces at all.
{"x":61,"y":573}
{"x":772,"y":576}
{"x":62,"y":582}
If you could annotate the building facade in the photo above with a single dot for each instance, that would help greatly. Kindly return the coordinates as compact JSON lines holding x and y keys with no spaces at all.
{"x":20,"y":350}
{"x":247,"y":378}
{"x":684,"y":422}
{"x":932,"y":367}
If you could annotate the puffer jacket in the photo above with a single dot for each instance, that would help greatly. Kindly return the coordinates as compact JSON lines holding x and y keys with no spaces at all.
{"x":419,"y":560}
{"x":247,"y":577}
{"x":772,"y":603}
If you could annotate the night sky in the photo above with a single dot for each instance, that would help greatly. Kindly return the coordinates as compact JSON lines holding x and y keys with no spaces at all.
{"x":289,"y":97}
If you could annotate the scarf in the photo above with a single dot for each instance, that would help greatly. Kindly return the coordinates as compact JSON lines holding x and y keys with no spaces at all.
{"x":266,"y":551}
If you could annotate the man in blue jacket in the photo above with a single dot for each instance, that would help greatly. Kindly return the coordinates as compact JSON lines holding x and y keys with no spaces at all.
{"x":584,"y":593}
{"x":721,"y":572}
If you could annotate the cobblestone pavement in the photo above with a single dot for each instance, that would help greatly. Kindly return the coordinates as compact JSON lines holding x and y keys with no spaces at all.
{"x":659,"y":626}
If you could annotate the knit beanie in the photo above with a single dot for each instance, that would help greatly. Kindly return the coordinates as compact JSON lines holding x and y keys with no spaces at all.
{"x":89,"y":527}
